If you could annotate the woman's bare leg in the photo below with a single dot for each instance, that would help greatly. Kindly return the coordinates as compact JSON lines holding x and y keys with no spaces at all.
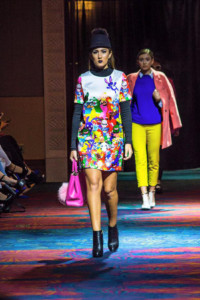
{"x":152,"y":189}
{"x":143,"y":190}
{"x":111,"y":201}
{"x":15,"y":169}
{"x":94,"y":187}
{"x":111,"y":196}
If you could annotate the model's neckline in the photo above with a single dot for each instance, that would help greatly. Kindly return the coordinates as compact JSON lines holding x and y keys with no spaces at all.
{"x":102,"y":73}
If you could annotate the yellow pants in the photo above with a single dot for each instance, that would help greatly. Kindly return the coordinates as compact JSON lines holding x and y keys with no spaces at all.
{"x":146,"y":145}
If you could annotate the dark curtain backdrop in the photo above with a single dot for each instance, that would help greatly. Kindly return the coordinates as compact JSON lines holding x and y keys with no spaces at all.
{"x":21,"y":62}
{"x":171,"y":28}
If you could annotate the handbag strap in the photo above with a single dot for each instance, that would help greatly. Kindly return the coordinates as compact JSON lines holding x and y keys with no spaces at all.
{"x":74,"y":166}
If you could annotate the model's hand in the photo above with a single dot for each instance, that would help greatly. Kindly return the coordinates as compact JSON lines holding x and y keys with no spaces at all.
{"x":156,"y":96}
{"x":73,"y":155}
{"x":176,"y":132}
{"x":128,"y":151}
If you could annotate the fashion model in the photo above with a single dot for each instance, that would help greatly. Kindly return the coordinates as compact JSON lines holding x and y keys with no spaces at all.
{"x":101,"y":134}
{"x":153,"y":104}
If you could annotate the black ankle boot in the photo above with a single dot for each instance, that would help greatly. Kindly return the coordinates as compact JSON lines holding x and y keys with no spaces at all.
{"x":113,"y":240}
{"x":97,"y":243}
{"x":11,"y":195}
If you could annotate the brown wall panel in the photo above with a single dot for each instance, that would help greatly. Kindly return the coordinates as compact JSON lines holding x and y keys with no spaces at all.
{"x":27,"y":123}
{"x":21,"y":67}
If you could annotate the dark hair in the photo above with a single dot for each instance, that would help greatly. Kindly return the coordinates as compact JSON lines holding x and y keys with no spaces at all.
{"x":145,"y":51}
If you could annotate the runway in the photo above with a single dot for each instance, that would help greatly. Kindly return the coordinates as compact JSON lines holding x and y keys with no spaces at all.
{"x":46,"y":251}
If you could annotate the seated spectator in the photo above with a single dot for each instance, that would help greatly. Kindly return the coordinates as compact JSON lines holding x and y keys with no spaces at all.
{"x":10,"y":147}
{"x":9,"y":187}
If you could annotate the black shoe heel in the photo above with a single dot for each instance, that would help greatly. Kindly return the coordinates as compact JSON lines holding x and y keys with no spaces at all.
{"x":11,"y":195}
{"x":21,"y":184}
{"x":8,"y":190}
{"x":7,"y":203}
{"x":113,"y":239}
{"x":7,"y":200}
{"x":97,"y":244}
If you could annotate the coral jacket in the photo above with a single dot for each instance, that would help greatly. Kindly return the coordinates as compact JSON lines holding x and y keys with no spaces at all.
{"x":169,"y":107}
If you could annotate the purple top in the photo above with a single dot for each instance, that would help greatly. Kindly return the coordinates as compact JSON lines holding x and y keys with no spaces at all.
{"x":144,"y":109}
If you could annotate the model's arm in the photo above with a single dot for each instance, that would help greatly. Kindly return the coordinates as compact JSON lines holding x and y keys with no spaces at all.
{"x":126,"y":121}
{"x":78,"y":107}
{"x":75,"y":126}
{"x":173,"y":108}
{"x":131,"y":82}
{"x":127,"y":126}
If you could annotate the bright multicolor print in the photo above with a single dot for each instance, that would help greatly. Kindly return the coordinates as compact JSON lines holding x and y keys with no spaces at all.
{"x":100,"y":136}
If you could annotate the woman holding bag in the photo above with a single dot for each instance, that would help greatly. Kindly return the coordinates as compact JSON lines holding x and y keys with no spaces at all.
{"x":102,"y":124}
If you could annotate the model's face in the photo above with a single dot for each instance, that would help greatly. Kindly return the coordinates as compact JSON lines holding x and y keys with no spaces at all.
{"x":100,"y":57}
{"x":156,"y":65}
{"x":145,"y":62}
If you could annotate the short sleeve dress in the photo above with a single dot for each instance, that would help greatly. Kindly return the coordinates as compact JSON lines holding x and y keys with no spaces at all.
{"x":100,"y":134}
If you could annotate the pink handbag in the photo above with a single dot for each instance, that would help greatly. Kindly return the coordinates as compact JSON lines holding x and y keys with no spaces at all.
{"x":70,"y":194}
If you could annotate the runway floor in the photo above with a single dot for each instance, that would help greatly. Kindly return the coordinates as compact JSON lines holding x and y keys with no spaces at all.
{"x":45,"y":252}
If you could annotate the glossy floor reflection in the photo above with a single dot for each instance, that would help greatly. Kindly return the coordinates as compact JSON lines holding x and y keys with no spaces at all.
{"x":46,"y":251}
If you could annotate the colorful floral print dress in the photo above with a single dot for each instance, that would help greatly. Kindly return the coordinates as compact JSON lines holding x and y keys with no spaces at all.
{"x":100,"y":135}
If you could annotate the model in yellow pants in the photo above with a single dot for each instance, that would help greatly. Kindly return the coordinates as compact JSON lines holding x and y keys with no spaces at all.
{"x":146,"y":145}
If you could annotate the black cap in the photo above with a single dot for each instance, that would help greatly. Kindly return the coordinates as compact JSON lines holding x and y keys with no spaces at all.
{"x":100,"y":38}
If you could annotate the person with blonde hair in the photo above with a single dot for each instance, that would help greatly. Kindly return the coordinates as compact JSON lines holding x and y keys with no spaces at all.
{"x":153,"y":104}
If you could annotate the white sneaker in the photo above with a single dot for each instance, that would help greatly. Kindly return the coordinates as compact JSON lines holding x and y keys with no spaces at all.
{"x":145,"y":204}
{"x":152,"y":200}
